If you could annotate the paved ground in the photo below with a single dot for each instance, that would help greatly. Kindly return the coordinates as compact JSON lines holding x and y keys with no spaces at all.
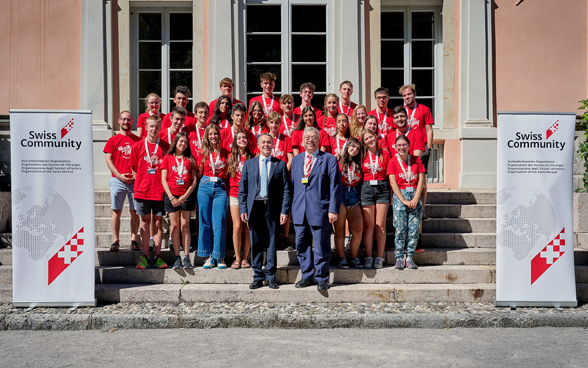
{"x":504,"y":347}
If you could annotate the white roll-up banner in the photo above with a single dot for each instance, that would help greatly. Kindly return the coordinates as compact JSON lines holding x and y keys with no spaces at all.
{"x":52,"y":208}
{"x":534,"y":216}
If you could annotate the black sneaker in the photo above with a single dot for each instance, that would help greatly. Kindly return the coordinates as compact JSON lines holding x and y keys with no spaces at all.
{"x":424,"y":216}
{"x":187,"y":263}
{"x":177,"y":263}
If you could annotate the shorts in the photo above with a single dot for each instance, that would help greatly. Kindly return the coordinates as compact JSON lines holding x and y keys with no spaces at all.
{"x":425,"y":160}
{"x":148,"y":207}
{"x":349,"y":196}
{"x":373,"y":194}
{"x":188,"y":205}
{"x":233,"y":201}
{"x":118,"y":192}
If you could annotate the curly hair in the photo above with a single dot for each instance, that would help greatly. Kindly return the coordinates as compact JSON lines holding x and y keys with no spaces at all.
{"x":216,"y":116}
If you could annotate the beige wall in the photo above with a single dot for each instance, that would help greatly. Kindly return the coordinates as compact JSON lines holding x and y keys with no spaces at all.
{"x":540,"y":55}
{"x":40,"y":58}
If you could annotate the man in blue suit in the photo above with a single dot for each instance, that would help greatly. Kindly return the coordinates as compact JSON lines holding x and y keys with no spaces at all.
{"x":317,"y":195}
{"x":264,"y":199}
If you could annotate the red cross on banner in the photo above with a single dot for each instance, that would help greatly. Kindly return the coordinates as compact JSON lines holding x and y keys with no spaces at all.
{"x":547,"y":256}
{"x":65,"y":256}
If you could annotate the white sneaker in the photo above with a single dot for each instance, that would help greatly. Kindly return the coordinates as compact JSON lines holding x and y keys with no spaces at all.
{"x":209,"y":263}
{"x":221,"y":264}
{"x":379,"y":262}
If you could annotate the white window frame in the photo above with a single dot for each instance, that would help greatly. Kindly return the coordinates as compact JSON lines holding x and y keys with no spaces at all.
{"x":435,"y":8}
{"x":286,"y":33}
{"x":166,"y":104}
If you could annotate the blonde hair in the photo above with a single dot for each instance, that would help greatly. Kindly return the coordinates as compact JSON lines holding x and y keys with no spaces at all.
{"x":411,"y":86}
{"x":325,"y":110}
{"x":354,"y":127}
{"x":152,"y":94}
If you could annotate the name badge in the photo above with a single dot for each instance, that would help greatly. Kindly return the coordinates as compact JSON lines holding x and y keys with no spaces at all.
{"x":304,"y":180}
{"x":213,"y":179}
{"x":409,"y":189}
{"x":373,"y":182}
{"x":179,"y":182}
{"x":150,"y":171}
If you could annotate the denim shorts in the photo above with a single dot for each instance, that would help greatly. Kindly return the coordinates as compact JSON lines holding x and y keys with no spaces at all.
{"x":118,"y":192}
{"x":349,"y":196}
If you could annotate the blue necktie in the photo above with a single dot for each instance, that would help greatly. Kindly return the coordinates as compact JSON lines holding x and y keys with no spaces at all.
{"x":263,"y":189}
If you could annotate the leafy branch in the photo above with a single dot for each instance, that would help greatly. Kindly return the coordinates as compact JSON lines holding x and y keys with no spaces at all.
{"x":582,"y":151}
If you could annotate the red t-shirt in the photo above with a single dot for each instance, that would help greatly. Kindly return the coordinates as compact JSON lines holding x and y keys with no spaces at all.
{"x":340,"y":148}
{"x":257,"y":130}
{"x":224,"y":123}
{"x":190,"y":120}
{"x":385,"y":121}
{"x":380,"y":163}
{"x":330,"y":127}
{"x":296,"y":140}
{"x":347,"y":110}
{"x":422,"y":117}
{"x":141,"y":122}
{"x":220,"y":162}
{"x":195,"y":142}
{"x":268,"y":107}
{"x":287,"y":124}
{"x":166,"y":135}
{"x":148,"y":186}
{"x":120,"y":147}
{"x":282,"y":147}
{"x":414,"y":136}
{"x":416,"y":167}
{"x":212,"y":105}
{"x":226,"y":139}
{"x":349,"y":177}
{"x":298,"y":113}
{"x":235,"y":179}
{"x":171,"y":165}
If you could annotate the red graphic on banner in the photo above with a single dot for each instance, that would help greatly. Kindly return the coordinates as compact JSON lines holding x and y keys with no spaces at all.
{"x":551,"y":130}
{"x":65,"y":256}
{"x":547,"y":257}
{"x":67,"y":128}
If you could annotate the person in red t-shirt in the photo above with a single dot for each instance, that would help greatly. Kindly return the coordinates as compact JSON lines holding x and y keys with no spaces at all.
{"x":178,"y":177}
{"x":371,"y":123}
{"x":238,"y":118}
{"x":357,"y":121}
{"x":345,"y":105}
{"x":269,"y":102}
{"x":327,"y":121}
{"x":222,"y":113}
{"x":239,"y":154}
{"x":118,"y":159}
{"x":407,"y":177}
{"x":255,"y":119}
{"x":306,"y":94}
{"x":212,"y":198}
{"x":339,"y":141}
{"x":375,"y":197}
{"x":384,"y":116}
{"x":308,"y":119}
{"x":419,"y":116}
{"x":153,"y":103}
{"x":227,"y":87}
{"x":196,"y":136}
{"x":181,"y":98}
{"x":288,"y":119}
{"x":146,"y":158}
{"x":349,"y":212}
{"x":178,"y":125}
{"x":402,"y":128}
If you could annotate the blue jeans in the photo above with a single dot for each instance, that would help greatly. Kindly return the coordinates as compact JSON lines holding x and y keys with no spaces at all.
{"x":213,"y":205}
{"x":406,"y":223}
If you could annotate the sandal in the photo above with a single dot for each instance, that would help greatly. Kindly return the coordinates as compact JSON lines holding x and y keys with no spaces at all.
{"x":114,"y":247}
{"x":136,"y":246}
{"x":236,"y":264}
{"x":245,"y":264}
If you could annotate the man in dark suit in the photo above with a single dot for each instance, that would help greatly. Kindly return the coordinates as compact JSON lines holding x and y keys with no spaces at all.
{"x":264,"y":199}
{"x":317,"y":195}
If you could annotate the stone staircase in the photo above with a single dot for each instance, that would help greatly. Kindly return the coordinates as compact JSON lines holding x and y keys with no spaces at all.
{"x":458,"y":264}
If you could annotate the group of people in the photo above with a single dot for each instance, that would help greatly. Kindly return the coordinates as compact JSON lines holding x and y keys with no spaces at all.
{"x":260,"y":168}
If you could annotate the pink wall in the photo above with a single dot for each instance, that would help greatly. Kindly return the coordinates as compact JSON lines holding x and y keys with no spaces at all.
{"x":540,"y":55}
{"x":451,"y":162}
{"x":40,"y":58}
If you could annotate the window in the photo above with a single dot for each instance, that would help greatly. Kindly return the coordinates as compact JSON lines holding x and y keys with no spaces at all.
{"x":161,"y":55}
{"x":289,"y":39}
{"x":411,"y":52}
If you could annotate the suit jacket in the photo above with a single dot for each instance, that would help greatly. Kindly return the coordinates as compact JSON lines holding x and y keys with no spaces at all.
{"x":279,"y":193}
{"x":321,"y":195}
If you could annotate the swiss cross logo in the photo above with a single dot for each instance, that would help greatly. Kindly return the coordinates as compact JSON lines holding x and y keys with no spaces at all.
{"x":547,"y":256}
{"x":65,"y":256}
{"x":552,"y":129}
{"x":67,"y":128}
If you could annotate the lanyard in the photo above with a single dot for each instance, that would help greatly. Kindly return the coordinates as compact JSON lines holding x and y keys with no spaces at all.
{"x":267,"y":108}
{"x":383,"y":123}
{"x":226,"y":124}
{"x":198,"y":135}
{"x":406,"y":134}
{"x":286,"y":130}
{"x":407,"y":175}
{"x":413,"y":111}
{"x":214,"y":163}
{"x":276,"y":146}
{"x":372,"y":164}
{"x":339,"y":144}
{"x":308,"y":169}
{"x":180,"y":166}
{"x":154,"y":152}
{"x":253,"y":129}
{"x":169,"y":135}
{"x":348,"y":108}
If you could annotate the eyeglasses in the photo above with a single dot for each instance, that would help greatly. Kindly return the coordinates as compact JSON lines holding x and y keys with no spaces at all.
{"x":310,"y":139}
{"x":402,"y":145}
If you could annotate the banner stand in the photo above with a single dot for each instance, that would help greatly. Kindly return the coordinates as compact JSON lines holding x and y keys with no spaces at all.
{"x":534,"y":210}
{"x":53,"y":228}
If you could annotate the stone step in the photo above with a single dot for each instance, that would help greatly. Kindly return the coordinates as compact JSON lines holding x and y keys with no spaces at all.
{"x":461,"y":210}
{"x":456,"y":240}
{"x":459,"y":225}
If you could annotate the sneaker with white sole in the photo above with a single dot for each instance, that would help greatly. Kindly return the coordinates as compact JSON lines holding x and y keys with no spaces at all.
{"x":177,"y":263}
{"x":343,"y":263}
{"x":410,"y":264}
{"x":368,"y":262}
{"x":355,"y":263}
{"x":399,"y":264}
{"x":221,"y":264}
{"x":209,"y":263}
{"x":379,"y":262}
{"x":187,"y":263}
